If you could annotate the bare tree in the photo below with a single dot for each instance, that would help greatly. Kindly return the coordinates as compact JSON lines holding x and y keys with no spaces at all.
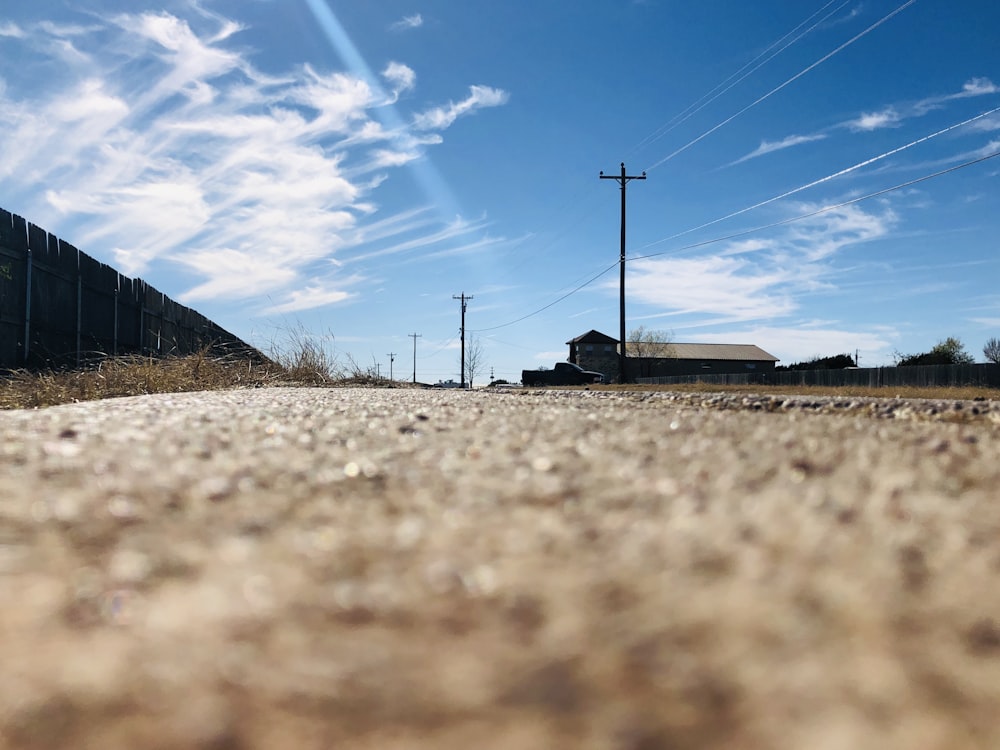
{"x":992,"y":350}
{"x":645,"y":342}
{"x":475,"y":358}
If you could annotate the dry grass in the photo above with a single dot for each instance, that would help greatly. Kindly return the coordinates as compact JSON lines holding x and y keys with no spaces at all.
{"x":301,"y":359}
{"x":134,"y":376}
{"x":204,"y":371}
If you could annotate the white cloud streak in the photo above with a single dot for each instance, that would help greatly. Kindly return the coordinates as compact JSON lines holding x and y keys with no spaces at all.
{"x":887,"y":118}
{"x":408,"y":22}
{"x":479,"y":97}
{"x":769,"y":147}
{"x":756,"y":279}
{"x":12,"y":30}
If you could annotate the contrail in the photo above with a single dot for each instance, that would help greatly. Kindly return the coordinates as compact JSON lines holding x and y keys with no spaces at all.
{"x":833,"y":176}
{"x":736,"y":77}
{"x":776,"y":89}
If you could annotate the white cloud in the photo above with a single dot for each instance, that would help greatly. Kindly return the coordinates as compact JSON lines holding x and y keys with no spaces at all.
{"x":979,"y":87}
{"x":887,"y":118}
{"x":824,"y":234}
{"x":440,"y":118}
{"x":12,"y":30}
{"x":401,"y":77}
{"x":169,"y":147}
{"x":756,"y":279}
{"x":728,"y":288}
{"x":456,"y":229}
{"x":987,"y":124}
{"x":408,"y":22}
{"x":768,"y":147}
{"x":236,"y":274}
{"x":990,"y":148}
{"x":313,"y":296}
{"x":754,"y":245}
{"x":809,"y":339}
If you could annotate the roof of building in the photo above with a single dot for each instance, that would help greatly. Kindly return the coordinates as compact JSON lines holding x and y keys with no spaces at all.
{"x":730,"y":352}
{"x":593,"y":337}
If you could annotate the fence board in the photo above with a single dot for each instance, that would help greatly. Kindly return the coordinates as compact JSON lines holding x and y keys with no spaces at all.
{"x":98,"y":287}
{"x":13,"y":289}
{"x":979,"y":375}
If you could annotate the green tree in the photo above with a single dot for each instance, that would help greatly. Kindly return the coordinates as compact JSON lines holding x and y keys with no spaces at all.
{"x":992,"y":350}
{"x":951,"y":351}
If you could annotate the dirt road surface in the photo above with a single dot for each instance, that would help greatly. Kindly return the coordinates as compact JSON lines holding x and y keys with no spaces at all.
{"x":402,"y":569}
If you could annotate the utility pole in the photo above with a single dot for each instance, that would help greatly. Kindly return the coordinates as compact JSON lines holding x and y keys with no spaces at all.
{"x":464,"y":300}
{"x":622,"y":180}
{"x":392,"y":358}
{"x":414,"y":336}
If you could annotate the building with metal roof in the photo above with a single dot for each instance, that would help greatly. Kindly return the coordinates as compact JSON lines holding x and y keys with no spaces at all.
{"x":598,"y":351}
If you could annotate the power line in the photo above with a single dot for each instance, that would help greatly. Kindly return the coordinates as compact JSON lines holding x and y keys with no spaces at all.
{"x":745,"y":232}
{"x":440,"y":349}
{"x":778,"y":88}
{"x":584,"y":209}
{"x":824,"y":209}
{"x":840,"y":173}
{"x":555,"y":302}
{"x":711,"y":96}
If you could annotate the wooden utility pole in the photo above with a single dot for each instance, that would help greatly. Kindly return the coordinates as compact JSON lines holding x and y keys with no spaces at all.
{"x":392,"y":358}
{"x":464,"y":300}
{"x":414,"y":336}
{"x":622,"y":180}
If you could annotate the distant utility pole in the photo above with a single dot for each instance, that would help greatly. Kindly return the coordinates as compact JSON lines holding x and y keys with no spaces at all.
{"x":622,"y":180}
{"x":392,"y":358}
{"x":464,"y":300}
{"x":414,"y":336}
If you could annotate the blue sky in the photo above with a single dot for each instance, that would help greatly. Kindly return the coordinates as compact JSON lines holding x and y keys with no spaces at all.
{"x":819,"y":173}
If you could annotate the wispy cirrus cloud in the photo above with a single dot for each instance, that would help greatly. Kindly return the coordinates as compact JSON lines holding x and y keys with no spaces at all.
{"x":12,"y":30}
{"x":760,"y":278}
{"x":868,"y":121}
{"x":406,"y":23}
{"x":400,"y":77}
{"x":978,"y":87}
{"x":769,"y":147}
{"x":168,"y":145}
{"x":809,"y":339}
{"x":894,"y":115}
{"x":479,"y":97}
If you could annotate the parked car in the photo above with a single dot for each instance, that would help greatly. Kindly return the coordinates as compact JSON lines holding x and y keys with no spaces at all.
{"x":564,"y":373}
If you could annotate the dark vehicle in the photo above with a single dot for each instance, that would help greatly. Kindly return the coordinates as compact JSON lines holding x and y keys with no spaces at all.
{"x":564,"y":373}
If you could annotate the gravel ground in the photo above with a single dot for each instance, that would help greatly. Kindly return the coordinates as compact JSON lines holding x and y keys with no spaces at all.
{"x":310,"y":568}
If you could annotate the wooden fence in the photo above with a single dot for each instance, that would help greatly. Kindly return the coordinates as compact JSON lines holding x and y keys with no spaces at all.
{"x":984,"y":375}
{"x":61,"y":308}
